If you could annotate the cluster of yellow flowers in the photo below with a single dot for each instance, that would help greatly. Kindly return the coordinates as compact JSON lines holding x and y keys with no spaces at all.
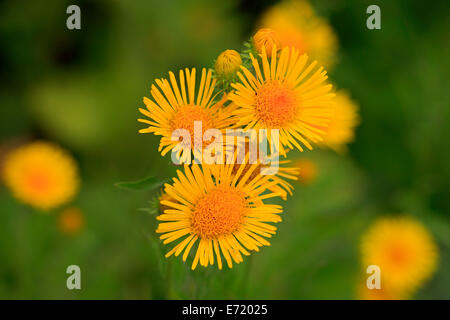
{"x":222,"y":208}
{"x":44,"y":176}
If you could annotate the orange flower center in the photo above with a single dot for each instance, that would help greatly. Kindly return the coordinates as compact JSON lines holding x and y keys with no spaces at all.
{"x":276,"y":104}
{"x":219,"y":212}
{"x":187,"y":115}
{"x":399,"y":255}
{"x":39,"y":181}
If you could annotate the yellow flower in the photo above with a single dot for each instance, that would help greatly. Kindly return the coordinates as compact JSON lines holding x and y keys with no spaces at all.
{"x":71,"y":221}
{"x":42,"y":175}
{"x":297,"y":25}
{"x":228,"y":62}
{"x":221,"y":211}
{"x":341,"y":129}
{"x":178,"y":105}
{"x":404,"y":251}
{"x":286,"y":95}
{"x":308,"y":170}
{"x":266,"y":38}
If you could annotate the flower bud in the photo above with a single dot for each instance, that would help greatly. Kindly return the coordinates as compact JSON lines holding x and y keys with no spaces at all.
{"x":228,"y":62}
{"x":267,"y":38}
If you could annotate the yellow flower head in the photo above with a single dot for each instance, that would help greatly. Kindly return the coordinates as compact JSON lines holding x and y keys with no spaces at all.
{"x":288,"y":95}
{"x":341,"y":129}
{"x":404,"y":251}
{"x":228,"y":62}
{"x":308,"y":170}
{"x":297,"y":25}
{"x":42,"y":175}
{"x":177,"y":105}
{"x":220,"y":211}
{"x":266,"y":38}
{"x":71,"y":221}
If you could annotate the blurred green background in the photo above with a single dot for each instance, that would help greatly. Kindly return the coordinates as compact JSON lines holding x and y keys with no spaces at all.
{"x":82,"y":88}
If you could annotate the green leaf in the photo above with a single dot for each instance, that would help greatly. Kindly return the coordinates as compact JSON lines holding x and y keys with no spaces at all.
{"x":148,"y":183}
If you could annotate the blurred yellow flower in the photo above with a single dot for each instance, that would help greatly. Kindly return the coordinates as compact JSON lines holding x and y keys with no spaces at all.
{"x":297,"y":25}
{"x":178,"y":106}
{"x":266,"y":38}
{"x":341,"y":129}
{"x":285,"y":96}
{"x":71,"y":221}
{"x":228,"y":62}
{"x":41,"y":174}
{"x":403,"y":249}
{"x":308,"y":170}
{"x":220,"y":210}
